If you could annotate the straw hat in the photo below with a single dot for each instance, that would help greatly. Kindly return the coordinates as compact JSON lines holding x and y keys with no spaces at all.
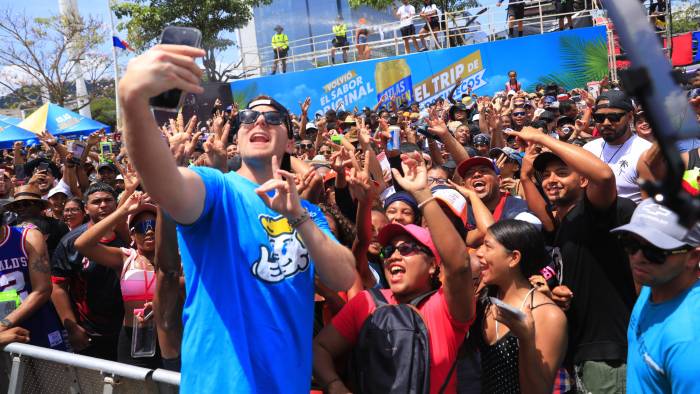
{"x":26,"y":193}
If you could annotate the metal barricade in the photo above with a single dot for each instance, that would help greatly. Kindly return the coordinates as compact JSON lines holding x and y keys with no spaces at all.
{"x":31,"y":369}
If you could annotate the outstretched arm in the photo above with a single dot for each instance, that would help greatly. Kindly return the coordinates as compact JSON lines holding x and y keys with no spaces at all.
{"x":179,"y":190}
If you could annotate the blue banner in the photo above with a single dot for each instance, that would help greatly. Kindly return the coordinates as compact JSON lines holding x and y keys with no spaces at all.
{"x":570,"y":58}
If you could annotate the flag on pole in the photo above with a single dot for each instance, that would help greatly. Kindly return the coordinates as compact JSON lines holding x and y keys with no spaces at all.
{"x":119,"y":43}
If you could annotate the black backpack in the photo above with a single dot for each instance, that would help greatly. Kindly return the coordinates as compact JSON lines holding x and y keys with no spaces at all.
{"x":392,"y":354}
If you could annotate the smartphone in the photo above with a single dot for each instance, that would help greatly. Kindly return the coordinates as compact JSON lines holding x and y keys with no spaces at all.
{"x":77,"y":148}
{"x":509,"y":308}
{"x":172,"y":100}
{"x":106,"y":148}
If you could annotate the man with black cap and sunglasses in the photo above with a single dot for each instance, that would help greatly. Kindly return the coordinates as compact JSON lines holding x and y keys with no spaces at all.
{"x":619,"y":147}
{"x":593,"y":279}
{"x":664,"y":329}
{"x":250,"y":246}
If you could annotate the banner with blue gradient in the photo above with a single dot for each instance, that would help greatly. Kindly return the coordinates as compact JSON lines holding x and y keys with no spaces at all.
{"x":570,"y":58}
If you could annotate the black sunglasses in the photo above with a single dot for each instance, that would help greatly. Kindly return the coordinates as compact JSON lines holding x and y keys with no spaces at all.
{"x":652,"y":253}
{"x":405,"y":249}
{"x":249,"y":116}
{"x":519,"y":114}
{"x":143,"y":226}
{"x":612,"y":117}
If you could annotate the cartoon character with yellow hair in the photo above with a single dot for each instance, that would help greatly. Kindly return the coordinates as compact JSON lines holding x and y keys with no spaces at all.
{"x":284,"y":256}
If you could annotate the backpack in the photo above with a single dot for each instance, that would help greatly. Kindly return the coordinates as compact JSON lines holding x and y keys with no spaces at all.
{"x":392,"y":354}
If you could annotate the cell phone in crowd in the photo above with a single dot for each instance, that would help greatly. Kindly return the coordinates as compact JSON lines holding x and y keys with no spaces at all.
{"x":77,"y":148}
{"x":502,"y":305}
{"x":105,"y":148}
{"x":172,"y":100}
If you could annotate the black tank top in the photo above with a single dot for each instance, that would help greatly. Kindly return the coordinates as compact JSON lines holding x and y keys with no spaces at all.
{"x":499,"y":365}
{"x":693,"y":159}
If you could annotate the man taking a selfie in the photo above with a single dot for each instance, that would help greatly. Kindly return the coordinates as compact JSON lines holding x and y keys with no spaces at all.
{"x":250,"y":246}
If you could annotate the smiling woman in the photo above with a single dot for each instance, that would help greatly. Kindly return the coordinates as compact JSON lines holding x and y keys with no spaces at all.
{"x":137,"y":279}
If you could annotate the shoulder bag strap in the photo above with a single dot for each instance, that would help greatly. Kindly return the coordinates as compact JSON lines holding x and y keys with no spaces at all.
{"x":378,"y":297}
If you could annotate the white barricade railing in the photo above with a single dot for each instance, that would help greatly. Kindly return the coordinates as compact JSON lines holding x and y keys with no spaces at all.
{"x":33,"y":369}
{"x":311,"y":52}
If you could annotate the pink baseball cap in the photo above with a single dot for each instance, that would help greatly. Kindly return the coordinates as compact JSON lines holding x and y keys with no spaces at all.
{"x":420,"y":234}
{"x":146,"y":207}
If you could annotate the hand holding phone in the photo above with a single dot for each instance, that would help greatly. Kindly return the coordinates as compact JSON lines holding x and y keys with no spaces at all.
{"x":502,"y":305}
{"x":172,"y":100}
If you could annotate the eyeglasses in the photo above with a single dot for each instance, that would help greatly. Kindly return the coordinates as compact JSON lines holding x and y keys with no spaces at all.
{"x":405,"y":249}
{"x":612,"y":117}
{"x":249,"y":116}
{"x":306,"y":146}
{"x":324,"y":152}
{"x":519,"y":114}
{"x":439,"y":181}
{"x":71,"y":210}
{"x":652,"y":253}
{"x":144,"y":226}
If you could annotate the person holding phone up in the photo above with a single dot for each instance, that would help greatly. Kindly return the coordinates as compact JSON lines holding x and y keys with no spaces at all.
{"x":250,"y":246}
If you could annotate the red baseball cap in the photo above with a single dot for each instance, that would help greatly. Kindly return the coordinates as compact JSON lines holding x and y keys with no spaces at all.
{"x":476,"y":161}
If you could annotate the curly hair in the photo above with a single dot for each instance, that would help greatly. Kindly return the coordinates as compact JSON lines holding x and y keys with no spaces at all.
{"x":346,"y":229}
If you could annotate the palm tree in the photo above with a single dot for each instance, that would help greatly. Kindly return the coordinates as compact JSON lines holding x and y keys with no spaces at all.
{"x":583,"y":60}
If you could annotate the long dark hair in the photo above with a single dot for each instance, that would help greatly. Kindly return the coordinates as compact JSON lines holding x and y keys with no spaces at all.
{"x":526,"y":239}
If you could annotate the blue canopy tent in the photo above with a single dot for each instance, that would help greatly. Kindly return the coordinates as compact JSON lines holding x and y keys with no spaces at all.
{"x":61,"y":122}
{"x":10,"y":133}
{"x":10,"y":120}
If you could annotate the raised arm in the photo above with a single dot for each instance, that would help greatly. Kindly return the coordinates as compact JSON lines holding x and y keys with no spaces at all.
{"x":88,"y":243}
{"x":334,"y":263}
{"x":179,"y":190}
{"x":458,"y":285}
{"x":439,"y":128}
{"x":601,"y":190}
{"x":482,"y":215}
{"x":535,"y":201}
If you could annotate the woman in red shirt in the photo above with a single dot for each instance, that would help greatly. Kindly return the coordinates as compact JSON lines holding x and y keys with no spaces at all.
{"x":412,"y":265}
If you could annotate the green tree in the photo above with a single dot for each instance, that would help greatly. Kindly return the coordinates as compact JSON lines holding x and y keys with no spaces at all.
{"x":144,"y":20}
{"x":685,"y":17}
{"x":104,"y":110}
{"x":43,"y":52}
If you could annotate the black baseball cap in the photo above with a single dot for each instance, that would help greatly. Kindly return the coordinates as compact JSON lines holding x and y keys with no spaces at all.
{"x":545,"y":158}
{"x":616,"y":99}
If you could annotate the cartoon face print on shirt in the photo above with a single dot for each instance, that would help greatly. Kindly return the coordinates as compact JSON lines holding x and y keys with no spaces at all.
{"x":285,"y":254}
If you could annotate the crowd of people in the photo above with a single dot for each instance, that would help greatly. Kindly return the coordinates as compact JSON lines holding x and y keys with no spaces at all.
{"x":477,"y":243}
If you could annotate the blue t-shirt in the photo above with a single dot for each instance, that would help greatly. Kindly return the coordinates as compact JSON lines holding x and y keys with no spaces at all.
{"x":248,"y":316}
{"x":664,"y":344}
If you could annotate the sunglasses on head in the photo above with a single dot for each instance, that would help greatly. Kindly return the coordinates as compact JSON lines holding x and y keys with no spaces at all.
{"x":519,"y":114}
{"x":652,"y":253}
{"x":249,"y":116}
{"x":144,"y":226}
{"x":612,"y":117}
{"x":405,"y":249}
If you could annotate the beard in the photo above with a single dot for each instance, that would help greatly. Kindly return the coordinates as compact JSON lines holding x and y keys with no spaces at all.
{"x":616,"y":135}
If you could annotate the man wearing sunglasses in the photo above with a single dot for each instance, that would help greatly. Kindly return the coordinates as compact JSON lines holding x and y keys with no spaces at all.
{"x":664,"y":329}
{"x":593,"y":278}
{"x":619,"y":147}
{"x":250,"y":246}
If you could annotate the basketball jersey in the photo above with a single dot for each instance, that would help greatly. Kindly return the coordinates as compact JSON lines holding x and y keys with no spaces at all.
{"x":44,"y":325}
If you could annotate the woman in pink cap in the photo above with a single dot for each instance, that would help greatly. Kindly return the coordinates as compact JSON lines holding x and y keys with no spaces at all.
{"x":138,"y":279}
{"x":413,"y":259}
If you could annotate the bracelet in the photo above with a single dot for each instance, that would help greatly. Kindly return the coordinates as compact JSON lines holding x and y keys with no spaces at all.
{"x":421,"y":205}
{"x":5,"y":322}
{"x":296,"y":222}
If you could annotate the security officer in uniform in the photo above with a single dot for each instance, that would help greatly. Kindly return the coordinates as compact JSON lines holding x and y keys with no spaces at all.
{"x":340,"y":31}
{"x":280,"y":44}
